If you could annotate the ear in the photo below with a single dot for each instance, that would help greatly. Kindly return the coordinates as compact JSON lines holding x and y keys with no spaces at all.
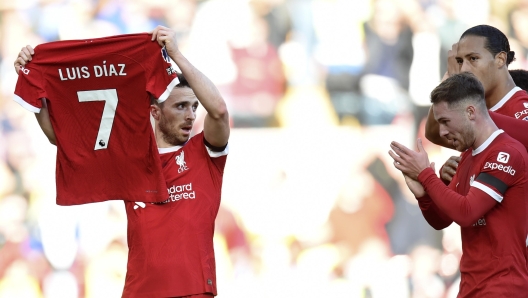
{"x":501,"y":58}
{"x":155,"y":112}
{"x":470,"y":112}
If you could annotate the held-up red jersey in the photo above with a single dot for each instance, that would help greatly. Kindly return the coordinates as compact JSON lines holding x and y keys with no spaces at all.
{"x":98,"y":100}
{"x":494,"y":260}
{"x":513,"y":104}
{"x":171,"y":244}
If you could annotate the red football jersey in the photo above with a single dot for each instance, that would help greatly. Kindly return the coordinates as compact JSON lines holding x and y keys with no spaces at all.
{"x":513,"y":104}
{"x":171,"y":244}
{"x":98,"y":101}
{"x":494,"y":260}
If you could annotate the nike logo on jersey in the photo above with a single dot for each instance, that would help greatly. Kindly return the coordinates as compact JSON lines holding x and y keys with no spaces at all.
{"x":139,"y":204}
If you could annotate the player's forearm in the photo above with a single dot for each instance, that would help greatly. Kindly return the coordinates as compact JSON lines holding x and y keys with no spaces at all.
{"x":44,"y":122}
{"x":432,"y":214}
{"x":432,"y":131}
{"x":464,"y":210}
{"x":514,"y":127}
{"x":216,"y":122}
{"x":206,"y":92}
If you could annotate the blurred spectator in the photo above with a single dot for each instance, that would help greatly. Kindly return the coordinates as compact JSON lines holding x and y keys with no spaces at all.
{"x":388,"y":43}
{"x":290,"y":216}
{"x":340,"y":51}
{"x":449,"y":28}
{"x":17,"y":282}
{"x":260,"y":81}
{"x":519,"y":22}
{"x":407,"y":228}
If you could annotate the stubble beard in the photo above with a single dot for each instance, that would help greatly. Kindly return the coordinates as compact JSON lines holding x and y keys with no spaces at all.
{"x":170,"y":134}
{"x":468,"y":136}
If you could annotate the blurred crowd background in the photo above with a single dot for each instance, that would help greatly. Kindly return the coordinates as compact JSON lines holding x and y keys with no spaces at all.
{"x":316,"y":89}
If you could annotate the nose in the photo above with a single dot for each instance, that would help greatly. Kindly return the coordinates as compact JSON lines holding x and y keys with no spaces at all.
{"x":465,"y":67}
{"x":443,"y":131}
{"x":191,"y":114}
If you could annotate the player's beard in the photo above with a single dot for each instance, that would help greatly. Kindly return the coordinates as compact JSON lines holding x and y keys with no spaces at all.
{"x":170,"y":132}
{"x":468,"y":136}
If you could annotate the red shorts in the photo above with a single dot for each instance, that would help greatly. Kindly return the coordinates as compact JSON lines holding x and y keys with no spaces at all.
{"x":197,"y":296}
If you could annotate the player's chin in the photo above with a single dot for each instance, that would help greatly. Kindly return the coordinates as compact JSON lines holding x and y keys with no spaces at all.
{"x":185,"y":132}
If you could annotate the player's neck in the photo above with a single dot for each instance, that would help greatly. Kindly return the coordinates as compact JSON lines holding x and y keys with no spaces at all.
{"x":160,"y":140}
{"x":483,"y":131}
{"x":495,"y":95}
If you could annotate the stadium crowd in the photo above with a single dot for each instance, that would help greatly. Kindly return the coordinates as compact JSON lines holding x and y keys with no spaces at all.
{"x":336,"y":219}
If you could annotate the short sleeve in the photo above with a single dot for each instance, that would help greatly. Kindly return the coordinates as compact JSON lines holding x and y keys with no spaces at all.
{"x":29,"y":88}
{"x":160,"y":75}
{"x":501,"y":170}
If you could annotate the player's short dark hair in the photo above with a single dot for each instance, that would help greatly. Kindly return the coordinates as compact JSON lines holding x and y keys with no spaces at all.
{"x":183,"y":83}
{"x":520,"y":77}
{"x":459,"y":88}
{"x":496,"y":41}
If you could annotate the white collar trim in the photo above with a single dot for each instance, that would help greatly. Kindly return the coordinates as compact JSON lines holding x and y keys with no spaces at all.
{"x":505,"y":99}
{"x":487,"y":142}
{"x":169,"y":150}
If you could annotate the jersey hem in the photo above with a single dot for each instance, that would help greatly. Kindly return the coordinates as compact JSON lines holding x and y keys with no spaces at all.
{"x":167,"y":92}
{"x":26,"y":105}
{"x":215,"y":154}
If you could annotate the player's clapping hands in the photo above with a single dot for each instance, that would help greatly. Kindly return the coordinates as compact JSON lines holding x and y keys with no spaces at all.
{"x":409,"y":162}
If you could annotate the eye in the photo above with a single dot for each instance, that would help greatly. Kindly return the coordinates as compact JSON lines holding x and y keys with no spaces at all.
{"x":473,"y":59}
{"x":180,"y":106}
{"x":459,"y":61}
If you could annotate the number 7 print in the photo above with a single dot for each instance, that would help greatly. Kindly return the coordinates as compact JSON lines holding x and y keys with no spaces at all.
{"x":109,"y":96}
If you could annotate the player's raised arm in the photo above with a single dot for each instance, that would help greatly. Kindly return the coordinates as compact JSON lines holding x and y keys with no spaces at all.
{"x":432,"y":129}
{"x":25,"y":56}
{"x":216,"y":125}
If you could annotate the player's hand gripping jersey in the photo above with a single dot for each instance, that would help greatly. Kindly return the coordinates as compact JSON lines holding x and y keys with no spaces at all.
{"x":98,"y":101}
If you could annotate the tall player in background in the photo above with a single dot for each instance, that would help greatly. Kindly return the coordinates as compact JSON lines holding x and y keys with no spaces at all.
{"x":171,"y":244}
{"x":484,"y":51}
{"x":487,"y":196}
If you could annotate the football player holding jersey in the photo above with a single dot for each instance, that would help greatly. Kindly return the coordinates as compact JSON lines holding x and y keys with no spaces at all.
{"x":171,"y":242}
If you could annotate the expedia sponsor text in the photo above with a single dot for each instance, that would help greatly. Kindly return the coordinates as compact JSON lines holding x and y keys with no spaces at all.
{"x":496,"y":166}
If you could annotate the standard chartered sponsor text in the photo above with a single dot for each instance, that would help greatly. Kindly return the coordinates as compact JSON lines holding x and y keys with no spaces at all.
{"x":180,"y":192}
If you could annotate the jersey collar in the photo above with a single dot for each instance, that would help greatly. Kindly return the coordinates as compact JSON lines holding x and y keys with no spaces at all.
{"x":487,"y":142}
{"x":505,"y":99}
{"x":169,"y":150}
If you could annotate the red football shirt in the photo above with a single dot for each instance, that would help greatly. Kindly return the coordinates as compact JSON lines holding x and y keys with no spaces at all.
{"x":98,"y":100}
{"x":171,"y":244}
{"x":513,"y":104}
{"x":494,"y":259}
